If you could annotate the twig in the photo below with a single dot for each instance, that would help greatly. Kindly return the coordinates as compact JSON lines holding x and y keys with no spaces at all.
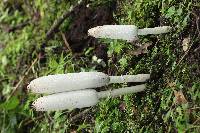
{"x":195,"y":108}
{"x":141,"y":50}
{"x":58,"y":22}
{"x":197,"y":23}
{"x":14,"y":28}
{"x":19,"y":26}
{"x":27,"y":122}
{"x":197,"y":120}
{"x":198,"y":48}
{"x":22,"y":78}
{"x":65,"y":42}
{"x":74,"y":118}
{"x":184,"y":55}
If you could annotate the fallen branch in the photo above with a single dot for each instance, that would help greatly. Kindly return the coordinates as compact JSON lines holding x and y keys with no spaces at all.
{"x":65,"y":42}
{"x":27,"y":122}
{"x":76,"y":117}
{"x":141,"y":50}
{"x":58,"y":22}
{"x":14,"y":28}
{"x":186,"y":53}
{"x":22,"y":78}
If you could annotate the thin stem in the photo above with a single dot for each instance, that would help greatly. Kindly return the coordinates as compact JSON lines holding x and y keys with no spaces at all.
{"x":77,"y":116}
{"x":121,"y":91}
{"x":129,"y":78}
{"x":156,"y":30}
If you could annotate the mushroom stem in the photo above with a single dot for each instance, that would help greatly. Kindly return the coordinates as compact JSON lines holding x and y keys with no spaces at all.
{"x":155,"y":30}
{"x":79,"y":99}
{"x":129,"y":78}
{"x":121,"y":91}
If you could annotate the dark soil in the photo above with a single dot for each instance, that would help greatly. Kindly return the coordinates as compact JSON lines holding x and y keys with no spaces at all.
{"x":193,"y":57}
{"x":84,"y":18}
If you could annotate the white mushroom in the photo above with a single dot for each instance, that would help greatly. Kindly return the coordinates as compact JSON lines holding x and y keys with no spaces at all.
{"x":79,"y":99}
{"x":66,"y":100}
{"x":77,"y":81}
{"x":124,"y":32}
{"x":68,"y":82}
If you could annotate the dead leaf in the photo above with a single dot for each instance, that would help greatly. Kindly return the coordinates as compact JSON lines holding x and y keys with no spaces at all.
{"x":186,"y":43}
{"x":134,"y":110}
{"x":171,"y":84}
{"x":146,"y":109}
{"x":73,"y":131}
{"x":180,"y":98}
{"x":122,"y":107}
{"x":142,"y":49}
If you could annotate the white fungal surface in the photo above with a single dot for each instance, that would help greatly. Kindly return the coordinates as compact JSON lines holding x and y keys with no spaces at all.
{"x":79,"y":99}
{"x":66,"y":100}
{"x":155,"y":30}
{"x":124,"y":32}
{"x":122,"y":91}
{"x":129,"y":78}
{"x":68,"y":82}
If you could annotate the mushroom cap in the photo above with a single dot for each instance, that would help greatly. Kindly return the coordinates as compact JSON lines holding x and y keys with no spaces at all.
{"x":66,"y":100}
{"x":124,"y":32}
{"x":68,"y":82}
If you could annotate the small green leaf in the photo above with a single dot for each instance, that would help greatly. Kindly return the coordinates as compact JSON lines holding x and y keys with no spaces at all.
{"x":4,"y":61}
{"x":123,"y":62}
{"x":185,"y":21}
{"x":12,"y":103}
{"x":171,"y":11}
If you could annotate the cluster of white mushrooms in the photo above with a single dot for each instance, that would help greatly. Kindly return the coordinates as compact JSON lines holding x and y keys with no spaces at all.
{"x":75,"y":90}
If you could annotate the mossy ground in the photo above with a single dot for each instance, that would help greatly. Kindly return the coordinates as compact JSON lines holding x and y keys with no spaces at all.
{"x":171,"y":102}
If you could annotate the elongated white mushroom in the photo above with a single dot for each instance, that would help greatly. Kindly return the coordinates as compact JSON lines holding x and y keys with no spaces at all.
{"x":79,"y":99}
{"x":77,"y":81}
{"x":124,"y":32}
{"x":68,"y":82}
